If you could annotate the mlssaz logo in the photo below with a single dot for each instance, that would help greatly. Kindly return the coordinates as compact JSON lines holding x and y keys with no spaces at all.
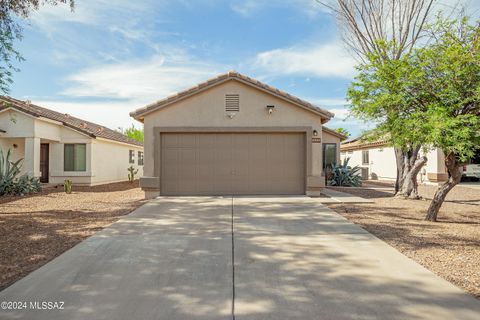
{"x":47,"y":305}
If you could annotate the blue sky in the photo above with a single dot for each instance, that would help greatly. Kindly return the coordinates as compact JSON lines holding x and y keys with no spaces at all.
{"x":110,"y":57}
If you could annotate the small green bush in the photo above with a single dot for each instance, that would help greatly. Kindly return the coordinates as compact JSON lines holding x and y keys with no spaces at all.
{"x":345,"y":176}
{"x":67,"y":186}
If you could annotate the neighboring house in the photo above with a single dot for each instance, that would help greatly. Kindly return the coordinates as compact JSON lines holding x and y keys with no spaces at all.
{"x":235,"y":135}
{"x":377,"y":160}
{"x":57,"y":146}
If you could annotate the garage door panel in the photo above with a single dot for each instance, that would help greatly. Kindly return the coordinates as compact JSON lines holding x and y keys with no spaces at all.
{"x":170,"y":140}
{"x":232,"y":163}
{"x":187,"y":140}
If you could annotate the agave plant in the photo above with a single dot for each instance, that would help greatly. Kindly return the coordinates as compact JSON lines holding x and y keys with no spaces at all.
{"x":10,"y":182}
{"x":345,"y":176}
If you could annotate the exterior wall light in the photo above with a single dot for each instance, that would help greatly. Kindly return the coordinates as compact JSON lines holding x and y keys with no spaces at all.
{"x":270,"y":109}
{"x":315,"y":133}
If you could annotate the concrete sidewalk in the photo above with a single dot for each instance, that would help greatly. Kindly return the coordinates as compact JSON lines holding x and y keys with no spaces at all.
{"x":248,"y":258}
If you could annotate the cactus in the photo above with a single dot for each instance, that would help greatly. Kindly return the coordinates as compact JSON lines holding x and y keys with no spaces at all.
{"x":131,"y":173}
{"x":67,"y":186}
{"x":10,"y":180}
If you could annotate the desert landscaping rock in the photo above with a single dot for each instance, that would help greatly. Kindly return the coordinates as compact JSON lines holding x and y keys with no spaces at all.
{"x":36,"y":229}
{"x":450,"y":248}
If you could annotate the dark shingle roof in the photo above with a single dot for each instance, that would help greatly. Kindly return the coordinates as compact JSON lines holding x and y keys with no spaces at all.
{"x":89,"y":128}
{"x":232,"y":75}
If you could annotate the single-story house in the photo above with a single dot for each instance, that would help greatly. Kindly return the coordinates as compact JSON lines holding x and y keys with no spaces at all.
{"x":235,"y":135}
{"x":377,"y":160}
{"x":57,"y":146}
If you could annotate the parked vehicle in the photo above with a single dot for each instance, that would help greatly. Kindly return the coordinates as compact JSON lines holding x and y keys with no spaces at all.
{"x":471,"y":172}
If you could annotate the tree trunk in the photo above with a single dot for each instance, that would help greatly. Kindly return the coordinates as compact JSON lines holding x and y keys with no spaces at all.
{"x":410,"y":184}
{"x":408,"y":167}
{"x":399,"y":156}
{"x":453,"y":167}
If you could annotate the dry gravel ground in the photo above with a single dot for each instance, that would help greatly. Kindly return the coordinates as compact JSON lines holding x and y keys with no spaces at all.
{"x":36,"y":229}
{"x":450,"y":247}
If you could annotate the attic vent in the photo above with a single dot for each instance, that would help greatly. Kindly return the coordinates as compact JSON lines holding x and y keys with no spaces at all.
{"x":232,"y":103}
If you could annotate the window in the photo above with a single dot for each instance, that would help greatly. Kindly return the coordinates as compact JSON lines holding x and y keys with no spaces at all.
{"x":329,"y":155}
{"x":140,"y":158}
{"x":365,"y":157}
{"x":131,"y":156}
{"x":75,"y":157}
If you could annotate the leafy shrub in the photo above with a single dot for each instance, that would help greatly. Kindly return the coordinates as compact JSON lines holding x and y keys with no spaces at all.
{"x":345,"y":176}
{"x":10,"y":182}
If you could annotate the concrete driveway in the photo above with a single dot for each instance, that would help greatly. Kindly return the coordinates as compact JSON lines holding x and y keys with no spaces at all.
{"x":243,"y":258}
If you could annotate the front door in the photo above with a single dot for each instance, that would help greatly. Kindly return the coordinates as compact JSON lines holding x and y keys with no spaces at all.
{"x":44,"y":162}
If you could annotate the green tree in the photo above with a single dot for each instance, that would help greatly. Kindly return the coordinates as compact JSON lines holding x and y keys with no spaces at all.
{"x":365,"y":27}
{"x":450,"y":84}
{"x":11,"y":31}
{"x":343,"y":131}
{"x":133,"y":132}
{"x":430,"y":96}
{"x":380,"y":94}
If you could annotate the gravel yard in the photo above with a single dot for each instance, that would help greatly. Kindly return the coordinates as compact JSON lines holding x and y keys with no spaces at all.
{"x":36,"y":229}
{"x":450,"y":248}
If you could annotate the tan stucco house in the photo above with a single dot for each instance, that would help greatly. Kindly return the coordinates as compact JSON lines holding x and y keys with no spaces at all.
{"x":235,"y":135}
{"x":377,"y":160}
{"x":57,"y":146}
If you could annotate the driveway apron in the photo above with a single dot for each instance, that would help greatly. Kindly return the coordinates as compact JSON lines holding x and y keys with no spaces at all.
{"x":237,"y":258}
{"x":170,"y":259}
{"x":297,"y":259}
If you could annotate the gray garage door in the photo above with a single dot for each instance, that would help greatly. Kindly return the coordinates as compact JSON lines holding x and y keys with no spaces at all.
{"x":232,"y":163}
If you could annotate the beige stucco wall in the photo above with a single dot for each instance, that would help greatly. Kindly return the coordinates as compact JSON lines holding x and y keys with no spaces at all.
{"x":106,"y":161}
{"x":17,"y":152}
{"x":207,"y":109}
{"x":110,"y":161}
{"x":383,"y":166}
{"x":17,"y":125}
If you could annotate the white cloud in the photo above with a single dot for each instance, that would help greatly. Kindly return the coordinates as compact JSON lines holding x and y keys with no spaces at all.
{"x":91,"y":12}
{"x":109,"y":114}
{"x":248,"y":8}
{"x":141,"y":80}
{"x":340,"y":113}
{"x":325,"y":60}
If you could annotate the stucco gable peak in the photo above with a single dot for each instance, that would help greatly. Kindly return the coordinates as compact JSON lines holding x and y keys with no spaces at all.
{"x":231,"y":75}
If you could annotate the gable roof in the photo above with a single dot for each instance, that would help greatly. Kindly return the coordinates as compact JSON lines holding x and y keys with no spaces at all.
{"x":334,"y":133}
{"x":88,"y":128}
{"x":139,"y":114}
